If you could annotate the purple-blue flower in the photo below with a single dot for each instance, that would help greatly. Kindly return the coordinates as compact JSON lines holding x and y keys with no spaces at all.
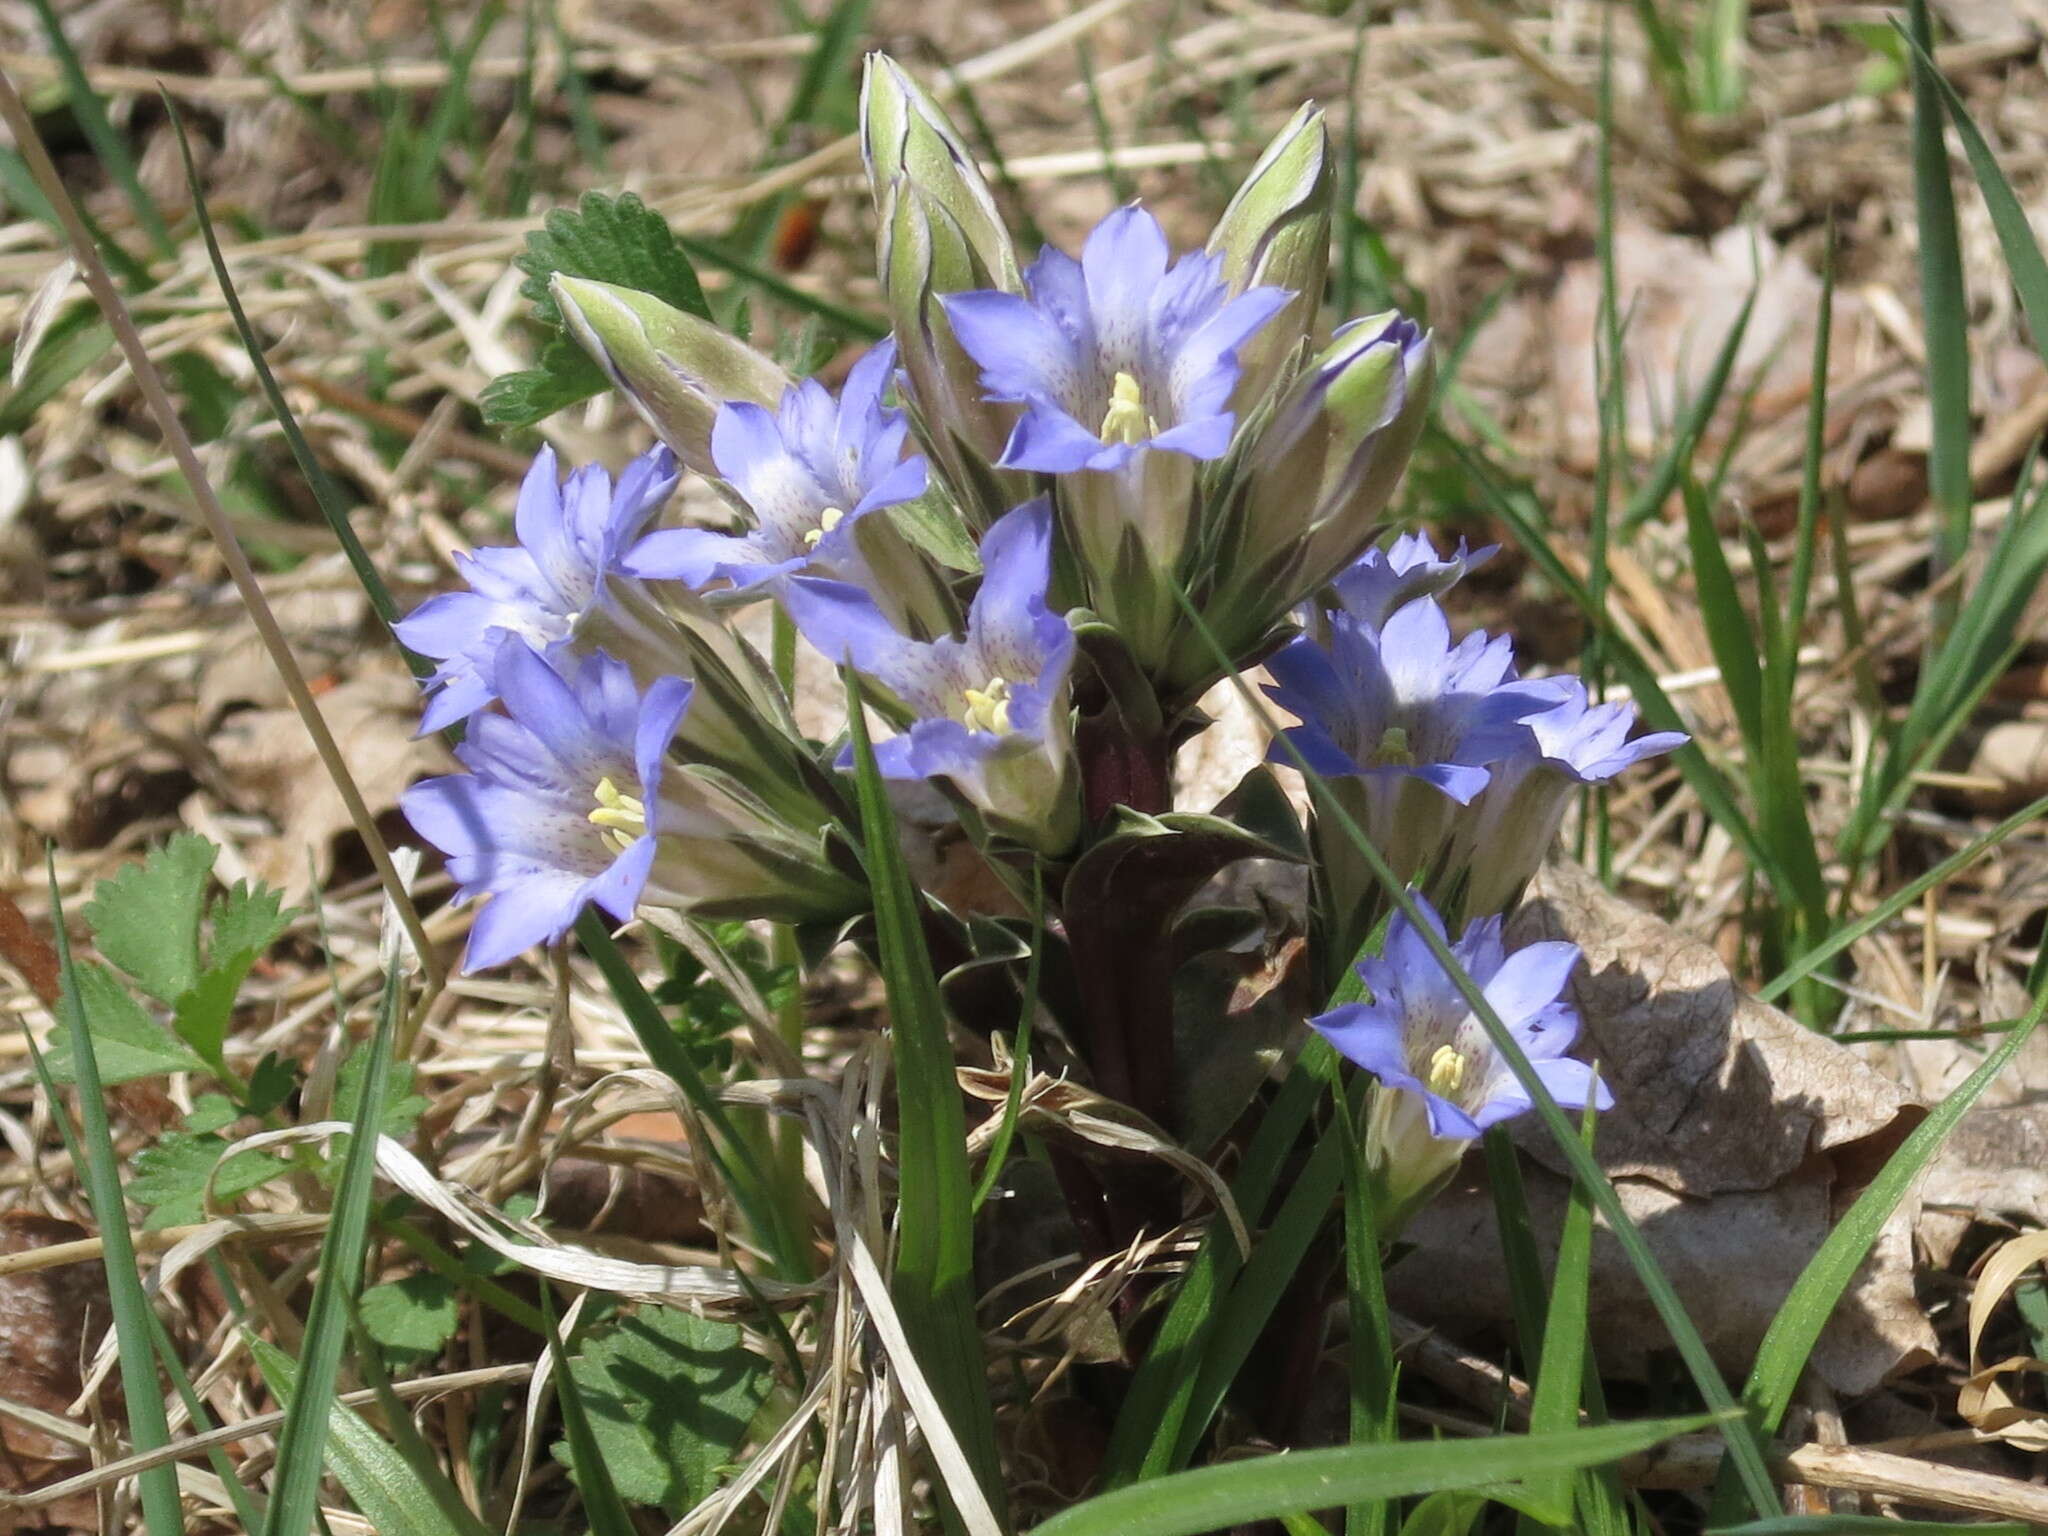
{"x":561,"y":806}
{"x":807,"y":471}
{"x":1382,"y":580}
{"x":1116,"y":352}
{"x":1564,"y":742}
{"x":1398,"y":701}
{"x":555,"y":587}
{"x":989,"y":709}
{"x":1442,"y":1083}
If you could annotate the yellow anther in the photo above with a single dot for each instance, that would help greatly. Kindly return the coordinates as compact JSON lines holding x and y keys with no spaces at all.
{"x":829,"y":519}
{"x":1126,"y":420}
{"x":621,"y":817}
{"x":988,"y":709}
{"x":1393,"y":750}
{"x":1446,"y":1071}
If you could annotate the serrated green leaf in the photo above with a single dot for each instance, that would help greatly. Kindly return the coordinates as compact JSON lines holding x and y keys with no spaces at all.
{"x":201,"y":1016}
{"x":146,"y":918}
{"x":127,"y":1042}
{"x":170,"y":1177}
{"x":247,"y":920}
{"x":412,"y":1319}
{"x":564,"y":375}
{"x":670,"y":1397}
{"x":609,"y":240}
{"x":211,"y":1112}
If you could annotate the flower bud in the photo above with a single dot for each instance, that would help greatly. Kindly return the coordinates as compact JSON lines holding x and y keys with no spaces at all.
{"x":1276,"y":232}
{"x":677,"y":369}
{"x":925,"y":254}
{"x":1330,"y":458}
{"x":905,"y":137}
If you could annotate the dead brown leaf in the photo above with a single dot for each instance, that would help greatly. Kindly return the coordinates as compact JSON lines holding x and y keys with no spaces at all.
{"x":48,"y":1318}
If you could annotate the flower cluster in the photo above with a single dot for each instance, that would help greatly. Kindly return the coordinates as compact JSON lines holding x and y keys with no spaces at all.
{"x":1035,"y":525}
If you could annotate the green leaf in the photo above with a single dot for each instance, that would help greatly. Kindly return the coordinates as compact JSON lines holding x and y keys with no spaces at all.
{"x":411,"y":1319}
{"x":402,"y":1107}
{"x":146,"y":918}
{"x":212,"y":1112}
{"x":126,"y":1041}
{"x":302,"y":1442}
{"x":610,"y":240}
{"x":201,"y":1017}
{"x":1266,"y":1487}
{"x":934,"y":1279}
{"x":248,"y":919}
{"x":273,"y":1081}
{"x":396,"y":1498}
{"x":670,"y":1397}
{"x":171,"y":1176}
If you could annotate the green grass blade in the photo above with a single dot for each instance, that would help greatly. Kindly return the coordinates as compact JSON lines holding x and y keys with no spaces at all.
{"x":1517,"y":1234}
{"x":333,"y":505}
{"x":1945,"y":305}
{"x":1162,"y":1391}
{"x":1374,"y":1376}
{"x":1268,"y":1487}
{"x":1866,"y":1525}
{"x":302,"y":1442}
{"x":2023,"y":257}
{"x":934,"y":1280}
{"x":389,"y":1491}
{"x":1020,"y":1050}
{"x":731,"y":1153}
{"x":1699,"y":411}
{"x":107,"y":145}
{"x":148,"y":1425}
{"x":853,"y":322}
{"x":1729,"y":635}
{"x":1845,"y":934}
{"x":1804,"y":1313}
{"x":1561,"y":1370}
{"x":1717,"y":58}
{"x":602,"y":1506}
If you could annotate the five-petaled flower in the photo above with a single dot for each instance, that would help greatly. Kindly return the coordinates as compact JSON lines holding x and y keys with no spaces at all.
{"x":808,"y":471}
{"x":1442,"y":1081}
{"x":571,"y":799}
{"x":557,"y":587}
{"x":987,"y":710}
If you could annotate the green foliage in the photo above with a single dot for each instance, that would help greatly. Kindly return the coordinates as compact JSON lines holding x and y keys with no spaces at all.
{"x":127,"y":1041}
{"x":171,"y":1176}
{"x":145,"y":919}
{"x":669,"y":1397}
{"x":610,"y":240}
{"x":704,"y":1013}
{"x":411,"y":1319}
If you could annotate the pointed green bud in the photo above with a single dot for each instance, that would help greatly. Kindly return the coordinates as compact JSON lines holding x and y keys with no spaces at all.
{"x":905,"y":136}
{"x":1334,"y":448}
{"x":924,"y":253}
{"x":1276,"y":232}
{"x":677,"y":369}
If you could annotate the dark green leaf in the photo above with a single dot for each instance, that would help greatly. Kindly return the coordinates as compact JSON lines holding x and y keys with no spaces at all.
{"x":411,"y":1319}
{"x":171,"y":1176}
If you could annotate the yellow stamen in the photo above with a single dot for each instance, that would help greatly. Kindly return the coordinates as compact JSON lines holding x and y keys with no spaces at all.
{"x":1446,"y":1071}
{"x":1393,"y":750}
{"x":988,"y":709}
{"x":829,"y":519}
{"x":621,"y":817}
{"x":1126,"y":420}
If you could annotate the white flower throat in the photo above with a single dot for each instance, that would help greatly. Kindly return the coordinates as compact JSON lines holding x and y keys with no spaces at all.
{"x":988,"y":707}
{"x":621,"y":818}
{"x":1127,"y":420}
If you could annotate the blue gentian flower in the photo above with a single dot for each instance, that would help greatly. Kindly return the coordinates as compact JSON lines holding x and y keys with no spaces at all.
{"x":1442,"y":1083}
{"x":555,"y":588}
{"x":807,"y":471}
{"x":1382,"y":580}
{"x":571,"y":799}
{"x":1538,"y":760}
{"x":988,"y":709}
{"x":1115,"y":353}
